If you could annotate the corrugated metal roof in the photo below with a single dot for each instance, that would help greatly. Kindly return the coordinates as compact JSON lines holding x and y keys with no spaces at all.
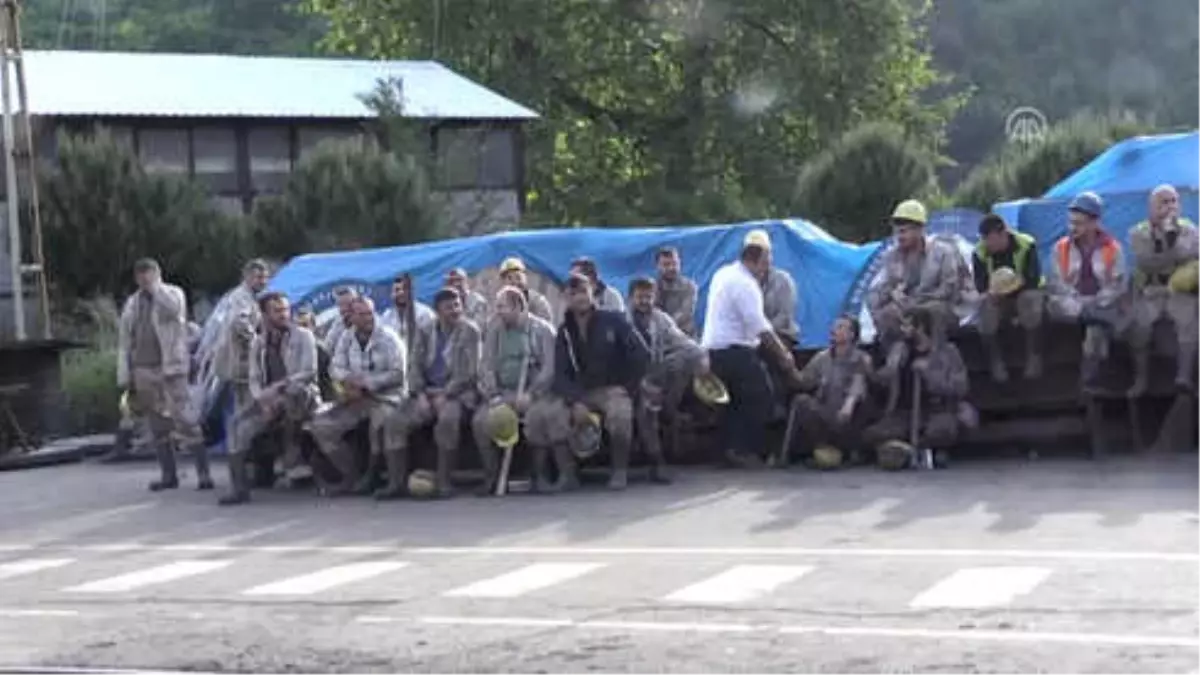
{"x":210,"y":85}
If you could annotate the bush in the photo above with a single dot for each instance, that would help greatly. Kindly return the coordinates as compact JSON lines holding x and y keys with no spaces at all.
{"x":101,"y":211}
{"x":89,"y":376}
{"x":347,"y":194}
{"x":1030,"y":170}
{"x":851,"y":186}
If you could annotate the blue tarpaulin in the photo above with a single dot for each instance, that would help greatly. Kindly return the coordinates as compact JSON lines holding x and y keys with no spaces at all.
{"x":828,"y":272}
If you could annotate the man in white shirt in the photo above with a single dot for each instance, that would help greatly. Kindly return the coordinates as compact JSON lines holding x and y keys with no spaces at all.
{"x":734,"y":327}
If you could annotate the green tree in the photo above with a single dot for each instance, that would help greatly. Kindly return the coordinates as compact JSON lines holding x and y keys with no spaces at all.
{"x":345,"y":195}
{"x":101,"y":211}
{"x":650,"y":105}
{"x":851,"y":187}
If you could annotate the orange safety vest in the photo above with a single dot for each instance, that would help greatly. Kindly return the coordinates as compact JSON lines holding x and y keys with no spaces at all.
{"x":1108,"y":254}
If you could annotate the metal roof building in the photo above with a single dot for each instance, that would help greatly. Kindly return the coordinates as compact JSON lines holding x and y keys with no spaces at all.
{"x":239,"y":124}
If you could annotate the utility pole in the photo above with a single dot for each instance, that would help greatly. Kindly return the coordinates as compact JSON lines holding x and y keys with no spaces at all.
{"x":19,"y":161}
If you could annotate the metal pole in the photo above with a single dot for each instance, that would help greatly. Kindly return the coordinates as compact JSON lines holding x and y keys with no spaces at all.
{"x":11,"y":196}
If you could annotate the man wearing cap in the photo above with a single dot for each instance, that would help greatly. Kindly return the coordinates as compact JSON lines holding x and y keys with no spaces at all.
{"x":516,"y":370}
{"x":938,"y":365}
{"x":445,"y":385}
{"x":605,"y":296}
{"x":598,"y":365}
{"x":1162,"y":244}
{"x":369,"y":368}
{"x":1087,"y":281}
{"x":999,"y":248}
{"x":475,"y":306}
{"x":674,"y":361}
{"x":674,"y":293}
{"x":918,"y":272}
{"x":835,"y":406}
{"x":513,"y":273}
{"x":735,"y":327}
{"x":407,"y":315}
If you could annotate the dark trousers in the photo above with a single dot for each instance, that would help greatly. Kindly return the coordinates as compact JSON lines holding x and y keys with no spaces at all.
{"x":743,"y":426}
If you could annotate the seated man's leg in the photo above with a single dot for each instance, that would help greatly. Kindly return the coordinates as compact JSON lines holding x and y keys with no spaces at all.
{"x":808,"y":419}
{"x":1031,"y":309}
{"x":482,"y":432}
{"x":1183,"y":309}
{"x":991,"y":315}
{"x":547,"y":429}
{"x":298,"y":405}
{"x":892,"y":427}
{"x":246,"y":425}
{"x":329,"y":429}
{"x":616,"y":407}
{"x":447,"y":433}
{"x":940,"y":432}
{"x":391,"y":429}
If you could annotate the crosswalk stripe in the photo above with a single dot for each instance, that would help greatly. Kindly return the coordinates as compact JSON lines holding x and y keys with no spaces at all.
{"x":739,"y":583}
{"x":978,"y":587}
{"x":323,"y":580}
{"x":17,"y":568}
{"x":148,"y":577}
{"x":524,"y":580}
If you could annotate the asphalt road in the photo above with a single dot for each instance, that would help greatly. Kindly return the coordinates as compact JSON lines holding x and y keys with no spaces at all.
{"x":1063,"y":566}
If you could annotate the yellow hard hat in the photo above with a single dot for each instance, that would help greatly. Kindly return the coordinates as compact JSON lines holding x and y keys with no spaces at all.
{"x":512,"y":265}
{"x":894,"y":455}
{"x":758,"y":238}
{"x":827,"y":457}
{"x":910,"y":210}
{"x":1186,"y":279}
{"x":710,"y":389}
{"x":504,"y":427}
{"x":421,"y":483}
{"x":586,"y":439}
{"x":1004,"y":280}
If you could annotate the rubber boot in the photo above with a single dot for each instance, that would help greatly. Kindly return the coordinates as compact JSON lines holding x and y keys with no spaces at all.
{"x":447,"y":460}
{"x":366,"y":481}
{"x":239,"y":482}
{"x":1185,"y":369}
{"x":166,"y":465}
{"x":619,"y":478}
{"x":204,"y":479}
{"x":996,"y":360}
{"x":1033,"y":354}
{"x":396,"y":461}
{"x":1141,"y":373}
{"x":541,"y":470}
{"x":343,"y":460}
{"x":1089,"y":373}
{"x":568,"y":475}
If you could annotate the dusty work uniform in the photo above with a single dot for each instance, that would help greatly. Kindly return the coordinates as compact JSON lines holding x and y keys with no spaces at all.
{"x":284,"y":360}
{"x":674,"y":360}
{"x":379,"y":360}
{"x":830,"y":379}
{"x":446,"y":360}
{"x":608,"y":298}
{"x":779,"y":304}
{"x":598,"y":365}
{"x":516,"y":359}
{"x":153,"y":362}
{"x":1028,"y":304}
{"x":1088,"y":285}
{"x":539,"y":306}
{"x":677,"y":297}
{"x":418,"y":313}
{"x":1158,"y":252}
{"x":943,"y":386}
{"x":242,"y":320}
{"x":475,"y":307}
{"x":927,"y":278}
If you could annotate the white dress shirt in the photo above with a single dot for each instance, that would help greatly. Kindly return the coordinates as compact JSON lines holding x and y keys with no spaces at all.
{"x":734,"y":316}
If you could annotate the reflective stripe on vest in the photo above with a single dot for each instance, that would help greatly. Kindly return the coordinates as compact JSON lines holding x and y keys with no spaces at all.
{"x":1108,"y":255}
{"x":1024,"y":245}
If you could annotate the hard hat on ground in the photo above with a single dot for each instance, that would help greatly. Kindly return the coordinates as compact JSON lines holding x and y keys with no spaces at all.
{"x":1186,"y":278}
{"x":1004,"y":280}
{"x":586,"y":438}
{"x":827,"y":457}
{"x":512,"y":265}
{"x":758,"y":238}
{"x":910,"y":211}
{"x":894,"y":455}
{"x":421,"y":483}
{"x":1088,"y":203}
{"x":710,"y":389}
{"x":504,"y":427}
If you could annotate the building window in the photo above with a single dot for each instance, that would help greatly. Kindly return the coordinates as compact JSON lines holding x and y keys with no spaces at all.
{"x":270,"y":158}
{"x":121,"y":135}
{"x":308,"y":138}
{"x":164,"y":150}
{"x":475,"y":158}
{"x":215,"y":152}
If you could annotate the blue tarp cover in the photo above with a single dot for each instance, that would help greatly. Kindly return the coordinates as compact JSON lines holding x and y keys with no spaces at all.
{"x":829,"y":273}
{"x":1137,"y":165}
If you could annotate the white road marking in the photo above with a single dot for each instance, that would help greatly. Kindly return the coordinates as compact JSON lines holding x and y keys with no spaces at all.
{"x":481,"y":621}
{"x":246,"y":534}
{"x":18,"y":568}
{"x":739,"y":583}
{"x":323,"y":580}
{"x":524,"y":580}
{"x":632,"y":626}
{"x":980,"y":587}
{"x":148,"y":577}
{"x":33,"y":613}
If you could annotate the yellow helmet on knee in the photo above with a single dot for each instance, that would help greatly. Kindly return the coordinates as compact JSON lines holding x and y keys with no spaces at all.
{"x":710,"y":389}
{"x":421,"y":483}
{"x":586,"y":438}
{"x":504,"y":427}
{"x":1003,"y":281}
{"x":1186,"y":279}
{"x":894,"y":455}
{"x":827,"y":457}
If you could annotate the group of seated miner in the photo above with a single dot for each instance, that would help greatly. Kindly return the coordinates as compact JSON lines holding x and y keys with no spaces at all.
{"x":614,"y":366}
